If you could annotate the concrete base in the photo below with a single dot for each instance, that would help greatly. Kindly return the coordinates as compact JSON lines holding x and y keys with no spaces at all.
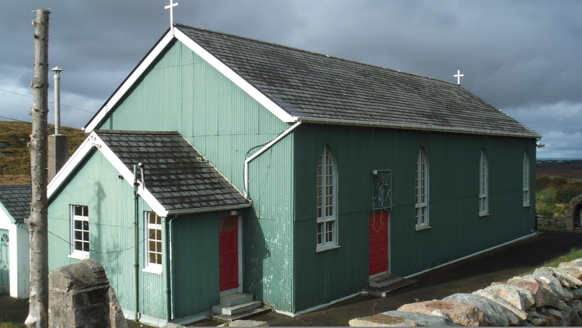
{"x":384,"y":280}
{"x":58,"y":153}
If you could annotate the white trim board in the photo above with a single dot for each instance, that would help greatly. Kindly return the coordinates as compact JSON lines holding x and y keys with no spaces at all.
{"x":93,"y":140}
{"x":204,"y":54}
{"x":317,"y":307}
{"x":235,"y":78}
{"x":131,"y":79}
{"x":471,"y":255}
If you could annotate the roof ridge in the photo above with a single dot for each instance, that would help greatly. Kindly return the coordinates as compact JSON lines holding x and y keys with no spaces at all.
{"x":136,"y":132}
{"x":312,"y":52}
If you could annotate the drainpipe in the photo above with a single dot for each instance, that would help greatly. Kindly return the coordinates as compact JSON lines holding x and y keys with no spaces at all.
{"x":167,"y":268}
{"x":262,"y":150}
{"x":136,"y":242}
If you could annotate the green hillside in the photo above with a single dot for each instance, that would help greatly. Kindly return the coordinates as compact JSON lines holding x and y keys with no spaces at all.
{"x":14,"y":153}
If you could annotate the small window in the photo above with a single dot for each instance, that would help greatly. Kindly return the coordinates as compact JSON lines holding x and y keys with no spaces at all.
{"x":526,"y":193}
{"x":80,"y":230}
{"x":326,"y":201}
{"x":483,"y":185}
{"x":422,"y":190}
{"x":153,"y":244}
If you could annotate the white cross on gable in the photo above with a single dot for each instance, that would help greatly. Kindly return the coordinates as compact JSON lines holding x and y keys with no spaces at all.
{"x":171,"y":7}
{"x":458,"y":76}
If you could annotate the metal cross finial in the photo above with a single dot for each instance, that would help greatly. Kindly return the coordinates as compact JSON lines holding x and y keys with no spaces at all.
{"x":171,"y":7}
{"x":458,"y":76}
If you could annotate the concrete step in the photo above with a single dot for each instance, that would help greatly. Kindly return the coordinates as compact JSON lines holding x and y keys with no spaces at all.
{"x":235,"y":309}
{"x":384,"y":280}
{"x":230,"y":318}
{"x":393,"y":289}
{"x":235,"y":299}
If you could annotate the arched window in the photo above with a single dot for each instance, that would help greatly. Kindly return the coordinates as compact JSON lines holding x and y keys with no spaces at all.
{"x":483,"y":184}
{"x":422,"y":188}
{"x":326,"y":201}
{"x":526,"y":194}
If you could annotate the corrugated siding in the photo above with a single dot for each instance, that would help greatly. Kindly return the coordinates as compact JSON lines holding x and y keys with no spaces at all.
{"x":456,"y":228}
{"x":183,"y":93}
{"x":111,"y":212}
{"x":195,"y":260}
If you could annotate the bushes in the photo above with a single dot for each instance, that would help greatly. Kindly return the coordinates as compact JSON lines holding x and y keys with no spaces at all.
{"x":559,"y":182}
{"x":566,"y":194}
{"x":543,"y":182}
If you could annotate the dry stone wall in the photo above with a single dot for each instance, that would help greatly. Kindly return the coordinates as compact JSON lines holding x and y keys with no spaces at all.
{"x":547,"y":297}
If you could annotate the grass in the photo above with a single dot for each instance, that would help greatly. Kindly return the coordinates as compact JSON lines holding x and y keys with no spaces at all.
{"x":574,"y":254}
{"x":14,"y":152}
{"x":544,"y":228}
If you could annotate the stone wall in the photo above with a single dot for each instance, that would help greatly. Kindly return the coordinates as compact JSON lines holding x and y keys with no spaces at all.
{"x":547,"y":297}
{"x":559,"y":221}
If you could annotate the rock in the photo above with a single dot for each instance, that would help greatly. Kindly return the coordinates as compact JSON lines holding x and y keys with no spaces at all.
{"x":517,"y":296}
{"x":566,"y":279}
{"x":574,"y":263}
{"x":550,"y":287}
{"x":4,"y":145}
{"x":573,"y":270}
{"x":531,"y":285}
{"x":460,"y":313}
{"x":521,"y":315}
{"x":423,"y":319}
{"x":494,"y":313}
{"x":245,"y":323}
{"x":538,"y":322}
{"x":173,"y":325}
{"x":557,"y":314}
{"x":577,"y":293}
{"x":382,"y":320}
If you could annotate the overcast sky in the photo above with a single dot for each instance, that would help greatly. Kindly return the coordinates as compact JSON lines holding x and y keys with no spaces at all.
{"x":524,"y":57}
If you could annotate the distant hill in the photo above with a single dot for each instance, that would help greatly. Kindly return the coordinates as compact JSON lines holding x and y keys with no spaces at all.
{"x":14,"y":153}
{"x":560,"y":168}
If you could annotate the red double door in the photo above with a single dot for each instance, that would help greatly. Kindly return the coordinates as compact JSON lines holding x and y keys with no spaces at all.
{"x":228,"y":251}
{"x":378,"y":248}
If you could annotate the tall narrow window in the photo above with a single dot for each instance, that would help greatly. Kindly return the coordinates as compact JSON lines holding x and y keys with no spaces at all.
{"x":326,"y":201}
{"x":80,"y":231}
{"x":526,"y":194}
{"x":422,"y":190}
{"x":483,"y":185}
{"x":153,"y":244}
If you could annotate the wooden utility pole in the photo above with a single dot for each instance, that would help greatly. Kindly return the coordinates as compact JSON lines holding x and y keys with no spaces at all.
{"x":37,"y":224}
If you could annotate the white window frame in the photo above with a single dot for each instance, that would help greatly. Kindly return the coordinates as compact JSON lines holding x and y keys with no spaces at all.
{"x":526,"y":179}
{"x":149,"y":266}
{"x":326,"y":226}
{"x":422,"y":189}
{"x":84,"y":217}
{"x":483,"y":184}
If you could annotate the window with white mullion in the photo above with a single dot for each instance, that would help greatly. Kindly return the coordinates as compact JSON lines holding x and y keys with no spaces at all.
{"x":421,"y":190}
{"x":526,"y":195}
{"x":483,"y":184}
{"x":326,"y":201}
{"x":153,"y":249}
{"x":80,"y":229}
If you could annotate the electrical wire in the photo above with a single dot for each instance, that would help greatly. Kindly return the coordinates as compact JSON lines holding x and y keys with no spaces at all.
{"x":20,"y":94}
{"x":13,"y":119}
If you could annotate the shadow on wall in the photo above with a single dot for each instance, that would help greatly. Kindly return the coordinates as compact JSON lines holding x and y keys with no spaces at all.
{"x":257,"y":253}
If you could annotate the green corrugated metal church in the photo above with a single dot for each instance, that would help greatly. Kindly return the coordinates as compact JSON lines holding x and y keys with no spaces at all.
{"x":288,"y":175}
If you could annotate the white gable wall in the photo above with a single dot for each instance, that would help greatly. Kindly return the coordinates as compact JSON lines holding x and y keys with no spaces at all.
{"x":18,"y":256}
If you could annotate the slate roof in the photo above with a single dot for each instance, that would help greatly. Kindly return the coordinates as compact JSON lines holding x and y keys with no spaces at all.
{"x":175,"y":173}
{"x":318,"y":87}
{"x":16,"y":199}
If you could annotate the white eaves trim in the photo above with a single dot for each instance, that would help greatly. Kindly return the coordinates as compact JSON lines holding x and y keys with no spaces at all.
{"x":235,"y":78}
{"x":135,"y":75}
{"x":213,"y":61}
{"x":94,"y":141}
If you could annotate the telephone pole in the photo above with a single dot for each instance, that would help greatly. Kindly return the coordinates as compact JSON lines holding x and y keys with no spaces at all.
{"x":37,"y":223}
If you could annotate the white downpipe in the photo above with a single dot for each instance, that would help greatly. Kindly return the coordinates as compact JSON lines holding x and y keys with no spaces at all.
{"x":262,"y":150}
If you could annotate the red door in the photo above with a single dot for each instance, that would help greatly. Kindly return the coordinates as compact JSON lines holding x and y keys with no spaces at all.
{"x":228,"y":253}
{"x":378,"y":243}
